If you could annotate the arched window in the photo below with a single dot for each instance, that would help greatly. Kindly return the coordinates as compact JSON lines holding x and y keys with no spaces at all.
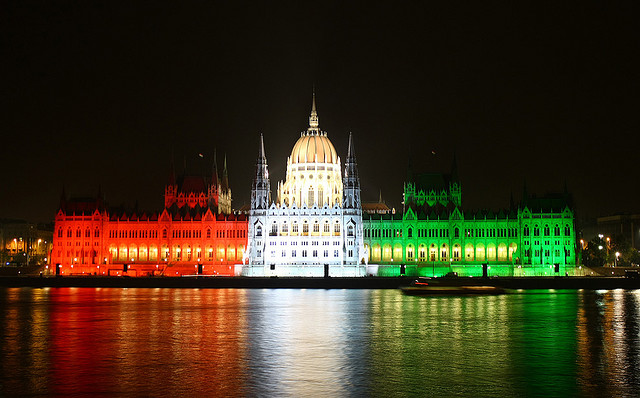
{"x":556,"y":230}
{"x":410,"y":233}
{"x":432,"y":252}
{"x":350,"y":230}
{"x":316,"y":227}
{"x":87,"y":233}
{"x":536,"y":230}
{"x":59,"y":232}
{"x":96,"y":233}
{"x":320,"y":197}
{"x":547,"y":231}
{"x":525,"y":230}
{"x":567,"y":230}
{"x":456,"y":232}
{"x":164,"y":234}
{"x":336,"y":228}
{"x":78,"y":233}
{"x":208,"y":233}
{"x":274,"y":229}
{"x":443,"y":252}
{"x":326,"y":227}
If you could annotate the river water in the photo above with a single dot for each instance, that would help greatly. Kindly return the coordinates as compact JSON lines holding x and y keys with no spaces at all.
{"x":299,"y":343}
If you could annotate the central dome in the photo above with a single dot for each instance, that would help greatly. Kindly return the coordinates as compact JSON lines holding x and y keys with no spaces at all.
{"x":313,"y":170}
{"x":313,"y":145}
{"x":314,"y":148}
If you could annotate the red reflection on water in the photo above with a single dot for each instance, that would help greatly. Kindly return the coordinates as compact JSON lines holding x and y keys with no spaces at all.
{"x":152,"y":341}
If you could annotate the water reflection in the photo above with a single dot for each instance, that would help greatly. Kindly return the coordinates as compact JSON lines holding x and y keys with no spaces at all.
{"x":609,"y":345}
{"x":168,"y":342}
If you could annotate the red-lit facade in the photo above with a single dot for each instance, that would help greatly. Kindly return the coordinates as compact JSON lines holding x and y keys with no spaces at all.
{"x":195,"y":233}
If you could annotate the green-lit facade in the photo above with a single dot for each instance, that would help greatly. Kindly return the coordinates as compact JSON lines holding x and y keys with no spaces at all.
{"x":435,"y":235}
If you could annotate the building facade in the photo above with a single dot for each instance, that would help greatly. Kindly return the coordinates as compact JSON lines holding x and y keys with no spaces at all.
{"x":195,"y":233}
{"x":23,"y":243}
{"x":435,"y":235}
{"x":314,"y":227}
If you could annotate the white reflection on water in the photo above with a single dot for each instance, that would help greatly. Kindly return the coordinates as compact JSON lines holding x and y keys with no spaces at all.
{"x":301,"y":341}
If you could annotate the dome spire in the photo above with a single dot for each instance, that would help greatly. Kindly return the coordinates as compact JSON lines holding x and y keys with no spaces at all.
{"x":313,"y":119}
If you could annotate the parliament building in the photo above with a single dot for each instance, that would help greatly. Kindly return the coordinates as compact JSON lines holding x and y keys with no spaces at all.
{"x":314,"y":225}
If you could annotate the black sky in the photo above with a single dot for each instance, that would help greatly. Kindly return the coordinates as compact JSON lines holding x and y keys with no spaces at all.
{"x":100,"y":94}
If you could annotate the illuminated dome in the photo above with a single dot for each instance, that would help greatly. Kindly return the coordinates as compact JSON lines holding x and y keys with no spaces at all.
{"x":313,"y":170}
{"x":314,"y":147}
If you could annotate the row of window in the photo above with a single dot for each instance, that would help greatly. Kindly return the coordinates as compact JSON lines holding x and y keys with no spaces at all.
{"x":546,"y":230}
{"x":153,"y":234}
{"x":284,"y":229}
{"x":547,"y":252}
{"x":133,"y":234}
{"x":305,"y":253}
{"x":87,"y":233}
{"x":468,"y":232}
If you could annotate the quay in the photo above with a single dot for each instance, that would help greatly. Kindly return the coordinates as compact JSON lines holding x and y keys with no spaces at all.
{"x":512,"y":283}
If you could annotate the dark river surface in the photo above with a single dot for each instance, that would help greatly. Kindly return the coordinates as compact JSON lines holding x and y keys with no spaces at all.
{"x":314,"y":343}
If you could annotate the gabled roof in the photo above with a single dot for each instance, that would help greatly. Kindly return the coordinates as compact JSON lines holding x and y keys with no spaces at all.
{"x":192,"y":184}
{"x":548,"y":203}
{"x":431,"y":181}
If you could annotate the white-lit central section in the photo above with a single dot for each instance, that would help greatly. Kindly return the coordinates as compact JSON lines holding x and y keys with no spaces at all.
{"x":313,"y":173}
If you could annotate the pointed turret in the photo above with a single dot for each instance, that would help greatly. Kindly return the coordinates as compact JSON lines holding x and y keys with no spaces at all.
{"x":172,"y":171}
{"x":351,"y":181}
{"x":63,"y":199}
{"x":455,"y":189}
{"x":454,"y":169}
{"x":313,"y":119}
{"x":261,"y":190}
{"x":525,"y":194}
{"x":225,"y":174}
{"x":171,"y":189}
{"x":214,"y":171}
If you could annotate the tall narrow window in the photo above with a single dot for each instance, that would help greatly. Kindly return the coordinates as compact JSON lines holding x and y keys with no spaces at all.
{"x":320,"y":197}
{"x":310,"y":197}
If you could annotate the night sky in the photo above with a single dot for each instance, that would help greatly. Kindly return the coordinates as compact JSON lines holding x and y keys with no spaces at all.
{"x":103,"y":94}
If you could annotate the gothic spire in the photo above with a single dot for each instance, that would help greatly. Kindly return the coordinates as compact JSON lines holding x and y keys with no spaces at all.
{"x":261,"y":190}
{"x":351,"y":182}
{"x":351,"y":151}
{"x":172,"y":173}
{"x":225,"y":174}
{"x":313,"y":119}
{"x":454,"y":168}
{"x":261,"y":154}
{"x":214,"y":171}
{"x":63,"y":198}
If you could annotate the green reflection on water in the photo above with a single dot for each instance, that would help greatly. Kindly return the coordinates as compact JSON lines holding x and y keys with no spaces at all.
{"x":484,"y":345}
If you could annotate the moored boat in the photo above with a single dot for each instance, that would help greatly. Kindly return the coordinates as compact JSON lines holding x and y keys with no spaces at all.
{"x":428,"y":286}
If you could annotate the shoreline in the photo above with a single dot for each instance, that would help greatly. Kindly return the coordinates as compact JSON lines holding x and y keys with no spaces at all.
{"x":512,"y":283}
